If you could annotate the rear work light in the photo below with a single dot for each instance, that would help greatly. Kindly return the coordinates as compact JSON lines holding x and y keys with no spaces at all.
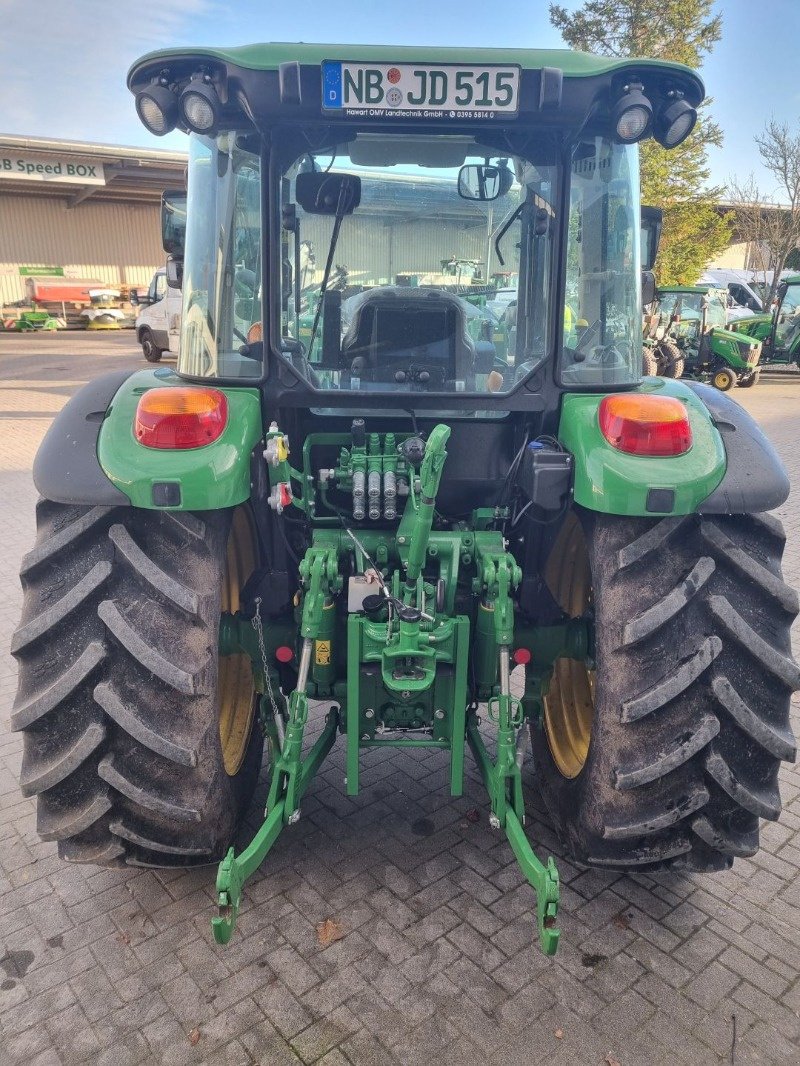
{"x":180,"y":417}
{"x":645,"y":424}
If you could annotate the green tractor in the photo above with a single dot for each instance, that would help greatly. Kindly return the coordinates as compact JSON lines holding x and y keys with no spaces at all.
{"x":779,"y":333}
{"x":693,"y":318}
{"x":246,"y":558}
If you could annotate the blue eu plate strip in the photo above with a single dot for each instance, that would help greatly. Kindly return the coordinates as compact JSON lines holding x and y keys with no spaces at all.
{"x":331,"y":84}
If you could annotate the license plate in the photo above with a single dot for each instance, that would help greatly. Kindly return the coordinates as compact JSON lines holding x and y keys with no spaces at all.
{"x":414,"y":88}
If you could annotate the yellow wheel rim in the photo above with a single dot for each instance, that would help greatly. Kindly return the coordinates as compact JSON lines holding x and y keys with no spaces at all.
{"x":237,"y":696}
{"x":569,"y":703}
{"x":721,"y":380}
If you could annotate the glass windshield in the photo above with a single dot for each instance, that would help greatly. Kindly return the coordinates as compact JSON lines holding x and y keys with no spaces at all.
{"x":416,"y":287}
{"x":222,"y":264}
{"x":602,"y":313}
{"x":788,"y":326}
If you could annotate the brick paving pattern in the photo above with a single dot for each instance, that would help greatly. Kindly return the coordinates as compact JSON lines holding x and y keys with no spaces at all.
{"x":438,"y":959}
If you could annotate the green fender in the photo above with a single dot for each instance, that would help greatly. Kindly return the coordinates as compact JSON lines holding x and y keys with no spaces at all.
{"x":615,"y":482}
{"x":210,"y":478}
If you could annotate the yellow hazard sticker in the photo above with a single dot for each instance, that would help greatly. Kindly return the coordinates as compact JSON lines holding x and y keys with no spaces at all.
{"x":323,"y":653}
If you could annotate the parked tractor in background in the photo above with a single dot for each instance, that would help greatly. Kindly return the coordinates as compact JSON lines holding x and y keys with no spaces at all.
{"x":358,"y":525}
{"x":693,"y":318}
{"x":779,"y":332}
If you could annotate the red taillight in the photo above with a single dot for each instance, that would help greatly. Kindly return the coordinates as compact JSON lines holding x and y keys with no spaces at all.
{"x":181,"y":417}
{"x":522,"y":656}
{"x":645,"y":424}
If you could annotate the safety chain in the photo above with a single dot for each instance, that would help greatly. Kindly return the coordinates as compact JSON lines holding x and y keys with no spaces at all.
{"x":258,"y":627}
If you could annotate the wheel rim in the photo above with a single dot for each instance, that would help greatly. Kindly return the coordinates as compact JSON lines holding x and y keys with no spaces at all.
{"x":721,"y":379}
{"x":237,"y":696}
{"x":569,"y":702}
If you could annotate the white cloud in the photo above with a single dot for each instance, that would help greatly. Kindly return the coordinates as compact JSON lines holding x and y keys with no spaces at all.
{"x":64,"y":63}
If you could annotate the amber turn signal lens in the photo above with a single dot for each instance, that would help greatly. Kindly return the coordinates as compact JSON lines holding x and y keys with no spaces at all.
{"x":180,"y":417}
{"x":645,"y":424}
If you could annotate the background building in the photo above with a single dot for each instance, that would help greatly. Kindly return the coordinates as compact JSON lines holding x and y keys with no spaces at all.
{"x":89,"y":210}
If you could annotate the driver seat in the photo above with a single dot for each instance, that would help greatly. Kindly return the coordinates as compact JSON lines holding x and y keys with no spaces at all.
{"x":410,"y":336}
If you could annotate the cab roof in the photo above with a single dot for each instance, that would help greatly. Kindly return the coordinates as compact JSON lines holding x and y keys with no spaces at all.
{"x":270,"y":56}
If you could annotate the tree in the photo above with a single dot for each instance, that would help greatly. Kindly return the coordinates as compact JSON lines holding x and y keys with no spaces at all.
{"x":676,"y":180}
{"x":770,"y":223}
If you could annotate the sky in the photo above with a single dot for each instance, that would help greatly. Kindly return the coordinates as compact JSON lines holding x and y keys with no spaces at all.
{"x":63,"y":62}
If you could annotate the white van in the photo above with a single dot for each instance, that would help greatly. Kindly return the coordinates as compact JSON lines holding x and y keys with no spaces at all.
{"x":158,"y":323}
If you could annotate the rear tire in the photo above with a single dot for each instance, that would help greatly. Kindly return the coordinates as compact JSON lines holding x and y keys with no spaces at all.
{"x":670,"y":359}
{"x":649,"y":363}
{"x":691,"y":693}
{"x":150,"y":351}
{"x":118,"y":697}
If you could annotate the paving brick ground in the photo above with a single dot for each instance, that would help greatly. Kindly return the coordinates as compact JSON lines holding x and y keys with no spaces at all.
{"x":437,"y":963}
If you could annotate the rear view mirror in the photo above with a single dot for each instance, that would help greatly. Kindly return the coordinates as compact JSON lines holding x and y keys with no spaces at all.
{"x":484,"y":181}
{"x":174,"y":272}
{"x":325,"y":194}
{"x":652,"y":218}
{"x":173,"y":222}
{"x":648,"y":287}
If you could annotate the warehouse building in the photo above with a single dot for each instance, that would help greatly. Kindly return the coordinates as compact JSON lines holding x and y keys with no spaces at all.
{"x":81,"y":211}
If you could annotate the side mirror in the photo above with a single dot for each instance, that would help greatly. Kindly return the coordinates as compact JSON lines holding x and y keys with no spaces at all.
{"x":321,"y":194}
{"x":173,"y":222}
{"x":648,"y":287}
{"x":781,"y":290}
{"x":133,"y":298}
{"x":652,"y":219}
{"x":174,"y":272}
{"x":484,"y":181}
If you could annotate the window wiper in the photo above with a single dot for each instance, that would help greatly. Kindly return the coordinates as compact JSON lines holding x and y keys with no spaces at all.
{"x":503,"y":231}
{"x":341,"y":204}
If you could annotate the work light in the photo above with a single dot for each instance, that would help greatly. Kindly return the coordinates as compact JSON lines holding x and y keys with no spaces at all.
{"x":200,"y":106}
{"x":157,"y":107}
{"x":674,"y":123}
{"x":631,"y":114}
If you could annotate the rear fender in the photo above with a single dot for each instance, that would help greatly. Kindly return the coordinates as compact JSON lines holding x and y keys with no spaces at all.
{"x":615,"y":482}
{"x":193,"y":479}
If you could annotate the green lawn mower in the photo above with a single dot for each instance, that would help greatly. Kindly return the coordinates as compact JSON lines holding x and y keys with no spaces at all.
{"x":348,"y":519}
{"x":693,"y":319}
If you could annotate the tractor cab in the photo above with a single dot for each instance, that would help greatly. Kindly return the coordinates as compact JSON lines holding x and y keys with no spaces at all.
{"x":779,"y":332}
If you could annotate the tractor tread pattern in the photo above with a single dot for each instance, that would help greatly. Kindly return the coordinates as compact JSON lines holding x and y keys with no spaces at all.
{"x":780,"y":665}
{"x":750,"y":568}
{"x":117,"y":690}
{"x":31,"y":710}
{"x":41,"y":773}
{"x":125,"y":716}
{"x":778,"y":741}
{"x":55,"y":614}
{"x":670,"y":687}
{"x":651,"y":620}
{"x":147,"y":654}
{"x":119,"y":829}
{"x":694,"y":652}
{"x":674,"y":754}
{"x":652,"y":542}
{"x":766,"y":802}
{"x":152,"y":574}
{"x":61,"y":539}
{"x":54,"y":822}
{"x":664,"y":819}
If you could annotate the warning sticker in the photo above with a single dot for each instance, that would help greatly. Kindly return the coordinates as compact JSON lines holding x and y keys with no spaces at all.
{"x":322,"y":655}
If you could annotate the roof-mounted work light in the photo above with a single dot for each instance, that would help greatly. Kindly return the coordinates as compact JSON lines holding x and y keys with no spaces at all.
{"x":200,"y":105}
{"x":157,"y":107}
{"x":631,"y":114}
{"x":674,"y":122}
